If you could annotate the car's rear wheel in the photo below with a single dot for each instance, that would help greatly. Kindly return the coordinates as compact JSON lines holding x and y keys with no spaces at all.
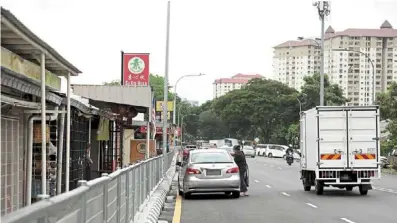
{"x":253,"y":156}
{"x":180,"y":192}
{"x":270,"y":155}
{"x":349,"y":188}
{"x":235,"y":194}
{"x":187,"y":195}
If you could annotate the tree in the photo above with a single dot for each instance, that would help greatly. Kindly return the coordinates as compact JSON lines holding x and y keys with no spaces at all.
{"x":262,"y":108}
{"x":292,"y":135}
{"x":388,"y":108}
{"x":310,"y":94}
{"x":157,"y":84}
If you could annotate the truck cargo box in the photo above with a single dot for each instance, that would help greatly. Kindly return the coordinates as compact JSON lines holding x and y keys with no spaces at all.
{"x":340,"y":137}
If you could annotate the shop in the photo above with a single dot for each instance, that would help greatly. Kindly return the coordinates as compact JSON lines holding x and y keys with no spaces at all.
{"x":30,"y":107}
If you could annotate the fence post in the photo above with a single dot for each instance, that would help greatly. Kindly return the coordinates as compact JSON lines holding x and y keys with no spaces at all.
{"x":105,"y":198}
{"x":127,"y":197}
{"x":43,"y":197}
{"x":83,"y":217}
{"x":118,"y":197}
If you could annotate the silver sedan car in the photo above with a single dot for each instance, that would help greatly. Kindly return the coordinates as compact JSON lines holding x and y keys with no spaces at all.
{"x":208,"y":171}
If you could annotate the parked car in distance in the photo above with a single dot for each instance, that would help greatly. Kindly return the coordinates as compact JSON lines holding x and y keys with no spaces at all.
{"x":249,"y":151}
{"x":276,"y":151}
{"x":261,"y":149}
{"x":208,"y":171}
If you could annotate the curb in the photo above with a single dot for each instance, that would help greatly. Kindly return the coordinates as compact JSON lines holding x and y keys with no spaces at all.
{"x":153,"y":208}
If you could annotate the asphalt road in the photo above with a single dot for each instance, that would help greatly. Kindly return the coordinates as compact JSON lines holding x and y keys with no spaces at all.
{"x":276,"y":195}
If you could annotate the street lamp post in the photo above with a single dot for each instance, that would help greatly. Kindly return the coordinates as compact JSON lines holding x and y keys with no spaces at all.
{"x":373,"y":71}
{"x":179,"y":117}
{"x":165,"y":103}
{"x":300,"y":104}
{"x":175,"y":94}
{"x":323,"y":11}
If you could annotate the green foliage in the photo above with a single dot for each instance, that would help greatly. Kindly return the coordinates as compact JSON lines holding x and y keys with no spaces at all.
{"x":157,"y":84}
{"x":388,"y":108}
{"x":333,"y":94}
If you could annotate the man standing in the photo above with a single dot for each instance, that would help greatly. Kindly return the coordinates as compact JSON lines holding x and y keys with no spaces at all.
{"x":239,"y":159}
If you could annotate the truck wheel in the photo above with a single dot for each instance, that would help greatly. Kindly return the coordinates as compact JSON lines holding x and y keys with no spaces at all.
{"x":363,"y":190}
{"x":349,"y":188}
{"x":319,"y":188}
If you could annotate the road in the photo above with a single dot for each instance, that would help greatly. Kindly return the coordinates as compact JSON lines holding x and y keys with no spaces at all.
{"x":276,"y":195}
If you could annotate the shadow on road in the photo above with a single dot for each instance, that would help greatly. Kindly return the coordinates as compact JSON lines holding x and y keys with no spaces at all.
{"x":215,"y":196}
{"x":336,"y":193}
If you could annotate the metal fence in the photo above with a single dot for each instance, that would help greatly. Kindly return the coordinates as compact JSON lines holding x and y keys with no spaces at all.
{"x":116,"y":197}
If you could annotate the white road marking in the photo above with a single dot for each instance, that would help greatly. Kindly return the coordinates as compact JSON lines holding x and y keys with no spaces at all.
{"x":283,"y":193}
{"x":385,"y":190}
{"x":311,"y":205}
{"x":347,"y":220}
{"x":271,"y":165}
{"x":279,"y":168}
{"x":264,"y":164}
{"x":256,"y":181}
{"x":268,"y":186}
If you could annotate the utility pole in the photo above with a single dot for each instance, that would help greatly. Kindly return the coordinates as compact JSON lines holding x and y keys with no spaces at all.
{"x":323,"y":11}
{"x":165,"y":101}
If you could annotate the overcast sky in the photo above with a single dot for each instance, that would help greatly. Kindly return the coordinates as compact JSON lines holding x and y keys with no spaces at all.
{"x":217,"y":37}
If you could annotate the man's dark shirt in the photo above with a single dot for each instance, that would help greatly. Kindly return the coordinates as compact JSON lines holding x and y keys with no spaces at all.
{"x":239,"y":159}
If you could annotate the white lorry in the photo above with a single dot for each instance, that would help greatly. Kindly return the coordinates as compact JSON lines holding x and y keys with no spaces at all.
{"x":340,"y":147}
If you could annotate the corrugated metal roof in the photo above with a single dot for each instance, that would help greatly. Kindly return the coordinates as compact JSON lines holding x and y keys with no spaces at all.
{"x":8,"y":16}
{"x":126,"y":95}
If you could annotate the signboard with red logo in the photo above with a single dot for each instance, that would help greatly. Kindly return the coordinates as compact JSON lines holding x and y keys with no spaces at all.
{"x":135,"y":69}
{"x":143,"y":129}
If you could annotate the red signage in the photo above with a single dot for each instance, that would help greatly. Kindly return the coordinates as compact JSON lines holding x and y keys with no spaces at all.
{"x":135,"y":69}
{"x":143,"y":129}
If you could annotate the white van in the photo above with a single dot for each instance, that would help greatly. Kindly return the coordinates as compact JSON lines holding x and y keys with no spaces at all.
{"x":278,"y":151}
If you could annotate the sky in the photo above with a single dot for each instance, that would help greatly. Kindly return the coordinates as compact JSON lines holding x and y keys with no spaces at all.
{"x":216,"y":37}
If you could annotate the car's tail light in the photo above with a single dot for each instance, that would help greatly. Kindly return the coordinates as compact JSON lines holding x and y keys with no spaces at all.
{"x":192,"y":171}
{"x":233,"y":170}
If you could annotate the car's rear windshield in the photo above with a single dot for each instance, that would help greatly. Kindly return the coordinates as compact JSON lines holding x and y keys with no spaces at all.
{"x":212,"y":157}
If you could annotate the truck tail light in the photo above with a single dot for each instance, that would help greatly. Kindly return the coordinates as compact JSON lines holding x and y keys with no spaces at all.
{"x":192,"y":171}
{"x":233,"y":170}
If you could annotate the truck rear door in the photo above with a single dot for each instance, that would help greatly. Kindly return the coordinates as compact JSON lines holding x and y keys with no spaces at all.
{"x":363,"y":138}
{"x":332,"y":142}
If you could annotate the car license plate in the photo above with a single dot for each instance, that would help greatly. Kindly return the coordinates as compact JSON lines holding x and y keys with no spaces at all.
{"x":213,"y":172}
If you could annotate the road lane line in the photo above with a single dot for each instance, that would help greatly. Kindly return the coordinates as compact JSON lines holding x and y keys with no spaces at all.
{"x":279,"y":168}
{"x":178,"y":210}
{"x":311,"y":205}
{"x":347,"y":220}
{"x":264,"y":164}
{"x":268,"y":186}
{"x":256,"y":181}
{"x":271,"y":165}
{"x":285,"y":194}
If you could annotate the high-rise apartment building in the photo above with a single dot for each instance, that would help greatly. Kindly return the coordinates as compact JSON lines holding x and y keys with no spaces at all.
{"x":346,"y":56}
{"x":223,"y":85}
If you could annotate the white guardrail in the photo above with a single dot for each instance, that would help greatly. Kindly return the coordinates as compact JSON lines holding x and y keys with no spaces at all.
{"x":117,"y":197}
